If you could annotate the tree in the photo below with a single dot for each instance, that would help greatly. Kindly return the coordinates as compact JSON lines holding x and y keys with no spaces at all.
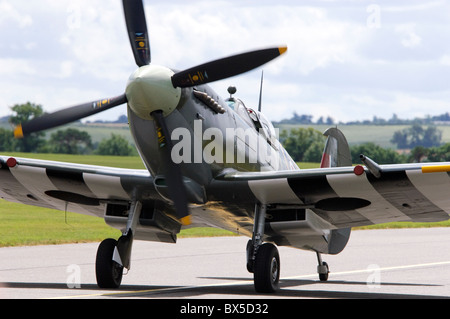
{"x":439,"y":154}
{"x":431,"y":137}
{"x":115,"y":145}
{"x":416,"y":135}
{"x":24,"y":113}
{"x":401,"y":139}
{"x":314,"y":152}
{"x":330,"y":120}
{"x":377,"y":153}
{"x":7,"y":142}
{"x":417,"y":154}
{"x":70,"y":141}
{"x":303,"y":144}
{"x":122,"y":119}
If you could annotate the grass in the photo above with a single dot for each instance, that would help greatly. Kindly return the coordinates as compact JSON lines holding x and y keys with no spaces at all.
{"x":393,"y":225}
{"x":28,"y":225}
{"x":22,"y":225}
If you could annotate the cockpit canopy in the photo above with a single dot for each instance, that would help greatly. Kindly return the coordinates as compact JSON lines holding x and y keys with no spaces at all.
{"x":253,"y":118}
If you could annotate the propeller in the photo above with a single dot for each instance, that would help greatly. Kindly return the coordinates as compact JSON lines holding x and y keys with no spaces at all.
{"x":201,"y":74}
{"x":137,"y":31}
{"x":226,"y":67}
{"x":67,"y":115}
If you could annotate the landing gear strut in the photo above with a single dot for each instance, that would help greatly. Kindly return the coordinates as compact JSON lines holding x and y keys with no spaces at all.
{"x":263,"y":260}
{"x":114,"y":255}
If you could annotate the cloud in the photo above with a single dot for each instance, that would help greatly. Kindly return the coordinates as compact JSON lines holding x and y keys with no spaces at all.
{"x":16,"y":67}
{"x":409,"y":37}
{"x":60,"y":53}
{"x":10,"y":15}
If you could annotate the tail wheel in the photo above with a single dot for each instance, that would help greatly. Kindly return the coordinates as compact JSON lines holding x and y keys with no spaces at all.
{"x":109,"y":273}
{"x":267,"y":269}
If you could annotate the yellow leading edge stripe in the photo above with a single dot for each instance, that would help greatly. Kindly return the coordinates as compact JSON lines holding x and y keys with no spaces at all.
{"x":435,"y":168}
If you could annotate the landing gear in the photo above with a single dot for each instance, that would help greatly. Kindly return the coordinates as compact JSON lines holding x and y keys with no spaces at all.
{"x":322,"y":268}
{"x":113,"y":256}
{"x":266,"y":273}
{"x":263,"y":260}
{"x":108,"y":272}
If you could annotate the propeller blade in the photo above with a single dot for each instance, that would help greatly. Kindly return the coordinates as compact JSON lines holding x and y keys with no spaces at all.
{"x":225,"y":68}
{"x":67,"y":115}
{"x":174,"y":179}
{"x":137,"y":31}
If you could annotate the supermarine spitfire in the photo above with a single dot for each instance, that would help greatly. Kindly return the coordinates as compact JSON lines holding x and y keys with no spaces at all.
{"x":227,"y":170}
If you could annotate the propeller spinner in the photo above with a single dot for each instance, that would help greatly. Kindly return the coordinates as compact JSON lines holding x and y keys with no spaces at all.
{"x":153,"y":92}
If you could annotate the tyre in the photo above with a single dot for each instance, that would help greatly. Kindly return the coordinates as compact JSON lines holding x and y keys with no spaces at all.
{"x":323,"y":275}
{"x":266,"y":274}
{"x":249,"y":250}
{"x":108,"y":272}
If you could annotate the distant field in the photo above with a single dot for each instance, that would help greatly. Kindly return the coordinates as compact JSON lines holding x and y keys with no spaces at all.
{"x":355,"y":134}
{"x":378,"y":134}
{"x":97,"y":132}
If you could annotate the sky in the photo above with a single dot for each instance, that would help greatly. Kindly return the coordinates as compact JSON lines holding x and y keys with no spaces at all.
{"x":350,"y":60}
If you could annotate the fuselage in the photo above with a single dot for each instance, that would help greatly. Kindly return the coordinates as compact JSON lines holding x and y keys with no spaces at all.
{"x":210,"y":134}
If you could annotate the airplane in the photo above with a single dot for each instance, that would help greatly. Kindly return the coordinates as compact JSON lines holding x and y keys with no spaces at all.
{"x":227,"y":170}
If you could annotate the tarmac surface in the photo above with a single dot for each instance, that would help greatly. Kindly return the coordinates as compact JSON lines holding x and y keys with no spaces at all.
{"x":400,"y":263}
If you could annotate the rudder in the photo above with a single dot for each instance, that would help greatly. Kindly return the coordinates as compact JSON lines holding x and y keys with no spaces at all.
{"x":336,"y":154}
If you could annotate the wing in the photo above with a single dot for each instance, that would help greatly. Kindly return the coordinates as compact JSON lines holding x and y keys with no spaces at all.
{"x":354,"y":196}
{"x":314,"y":209}
{"x":84,"y":189}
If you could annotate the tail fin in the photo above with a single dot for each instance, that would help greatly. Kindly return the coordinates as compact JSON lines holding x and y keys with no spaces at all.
{"x":337,"y":151}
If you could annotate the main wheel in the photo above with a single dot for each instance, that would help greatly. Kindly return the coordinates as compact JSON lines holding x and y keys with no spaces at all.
{"x":266,"y":274}
{"x":108,"y":272}
{"x":249,"y":250}
{"x":323,"y":271}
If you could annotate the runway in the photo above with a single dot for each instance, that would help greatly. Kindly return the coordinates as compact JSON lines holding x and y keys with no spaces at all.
{"x":401,"y":263}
